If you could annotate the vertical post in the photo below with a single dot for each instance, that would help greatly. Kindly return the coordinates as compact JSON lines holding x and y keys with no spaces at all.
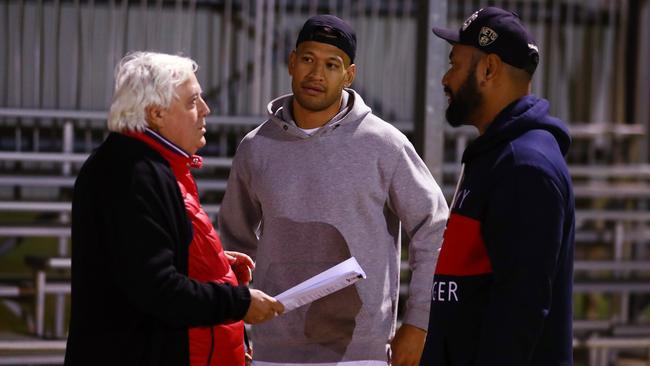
{"x":144,"y":25}
{"x":64,"y":218}
{"x":429,"y":95}
{"x":78,"y":64}
{"x":57,"y":46}
{"x":243,"y":97}
{"x":38,"y":57}
{"x":17,"y":53}
{"x":619,"y":243}
{"x":89,"y":61}
{"x":5,"y":53}
{"x":68,"y":145}
{"x":256,"y":99}
{"x":59,"y":316}
{"x":225,"y":56}
{"x":642,"y":110}
{"x":270,"y":23}
{"x":178,"y":26}
{"x":39,"y":303}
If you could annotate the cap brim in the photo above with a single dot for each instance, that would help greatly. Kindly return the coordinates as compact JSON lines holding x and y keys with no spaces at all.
{"x":451,"y":36}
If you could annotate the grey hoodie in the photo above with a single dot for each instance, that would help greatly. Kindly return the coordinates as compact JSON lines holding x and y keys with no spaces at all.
{"x":300,"y":204}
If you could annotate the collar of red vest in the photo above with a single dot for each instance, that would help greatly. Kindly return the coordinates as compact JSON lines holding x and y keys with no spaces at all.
{"x":170,"y":151}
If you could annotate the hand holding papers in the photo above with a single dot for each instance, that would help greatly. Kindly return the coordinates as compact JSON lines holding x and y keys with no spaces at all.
{"x":342,"y":275}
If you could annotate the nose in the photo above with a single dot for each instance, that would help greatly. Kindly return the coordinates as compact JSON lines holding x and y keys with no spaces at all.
{"x":204,"y":109}
{"x":317,"y":71}
{"x":444,"y":79}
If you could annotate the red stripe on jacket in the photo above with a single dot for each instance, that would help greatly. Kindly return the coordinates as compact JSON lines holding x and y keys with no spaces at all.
{"x":463,"y":251}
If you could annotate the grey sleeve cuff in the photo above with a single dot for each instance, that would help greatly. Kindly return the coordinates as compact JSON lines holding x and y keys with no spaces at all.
{"x":417,"y":317}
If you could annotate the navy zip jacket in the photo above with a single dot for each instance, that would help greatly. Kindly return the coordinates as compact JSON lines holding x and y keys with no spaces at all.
{"x":502,"y":285}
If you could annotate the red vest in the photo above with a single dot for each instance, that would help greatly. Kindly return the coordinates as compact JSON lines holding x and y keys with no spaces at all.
{"x":207,"y":261}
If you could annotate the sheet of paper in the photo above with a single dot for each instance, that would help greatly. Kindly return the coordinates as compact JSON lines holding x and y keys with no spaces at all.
{"x":342,"y":275}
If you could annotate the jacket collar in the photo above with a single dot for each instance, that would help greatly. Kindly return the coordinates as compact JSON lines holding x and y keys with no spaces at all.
{"x":523,"y":115}
{"x":170,"y":151}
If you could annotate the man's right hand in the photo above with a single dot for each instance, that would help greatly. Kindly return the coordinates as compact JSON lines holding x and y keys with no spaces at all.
{"x":262,"y":308}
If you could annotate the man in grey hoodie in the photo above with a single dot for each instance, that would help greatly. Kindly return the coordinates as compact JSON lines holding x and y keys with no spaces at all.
{"x":323,"y":179}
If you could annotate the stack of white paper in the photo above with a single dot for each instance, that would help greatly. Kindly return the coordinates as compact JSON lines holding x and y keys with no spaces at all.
{"x":342,"y":275}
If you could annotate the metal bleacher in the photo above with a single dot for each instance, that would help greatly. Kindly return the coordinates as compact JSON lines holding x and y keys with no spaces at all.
{"x":54,"y":92}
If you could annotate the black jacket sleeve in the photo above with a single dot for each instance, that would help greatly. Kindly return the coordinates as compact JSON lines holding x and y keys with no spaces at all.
{"x":523,"y":235}
{"x":147,"y":251}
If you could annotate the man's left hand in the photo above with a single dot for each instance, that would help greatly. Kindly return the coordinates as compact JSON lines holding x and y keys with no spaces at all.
{"x":242,"y":265}
{"x":407,"y":345}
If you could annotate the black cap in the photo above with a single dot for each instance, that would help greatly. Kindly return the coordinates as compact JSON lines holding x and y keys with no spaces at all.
{"x":494,"y":30}
{"x":332,"y":30}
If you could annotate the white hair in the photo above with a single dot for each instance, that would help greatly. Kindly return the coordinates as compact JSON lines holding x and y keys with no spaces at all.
{"x":143,"y":79}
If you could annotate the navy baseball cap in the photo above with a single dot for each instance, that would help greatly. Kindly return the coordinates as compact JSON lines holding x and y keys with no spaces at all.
{"x":494,"y":30}
{"x":332,"y":30}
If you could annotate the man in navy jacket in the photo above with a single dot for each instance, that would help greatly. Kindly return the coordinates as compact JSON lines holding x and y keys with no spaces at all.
{"x":502,"y":285}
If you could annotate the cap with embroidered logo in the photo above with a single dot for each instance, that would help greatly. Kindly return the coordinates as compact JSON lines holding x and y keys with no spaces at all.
{"x":494,"y":30}
{"x":332,"y":30}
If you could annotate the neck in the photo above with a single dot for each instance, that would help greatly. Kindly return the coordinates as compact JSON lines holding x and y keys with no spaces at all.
{"x":307,"y":119}
{"x":490,"y":110}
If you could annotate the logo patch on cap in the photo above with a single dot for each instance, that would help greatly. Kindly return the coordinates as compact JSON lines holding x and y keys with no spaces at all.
{"x":470,"y":19}
{"x":486,"y":36}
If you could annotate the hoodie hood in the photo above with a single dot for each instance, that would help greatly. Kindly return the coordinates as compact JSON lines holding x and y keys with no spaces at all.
{"x":280,"y":114}
{"x":524,"y":114}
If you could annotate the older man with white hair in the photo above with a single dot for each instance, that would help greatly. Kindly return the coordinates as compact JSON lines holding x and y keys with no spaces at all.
{"x":151,"y":284}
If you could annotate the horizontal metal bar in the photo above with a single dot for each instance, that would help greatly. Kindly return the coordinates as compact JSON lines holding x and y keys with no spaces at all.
{"x":35,"y":206}
{"x":10,"y":291}
{"x":631,"y":330}
{"x":618,"y":343}
{"x":607,"y":215}
{"x":612,"y":190}
{"x":612,"y":286}
{"x":57,"y":288}
{"x":77,"y":115}
{"x":41,"y":262}
{"x":36,"y":181}
{"x":217,"y":162}
{"x":14,"y":360}
{"x":64,"y":206}
{"x":53,"y":157}
{"x":589,"y":325}
{"x":603,"y":128}
{"x":42,"y":157}
{"x":34,"y":231}
{"x":60,"y":262}
{"x":68,"y":182}
{"x":611,"y":171}
{"x":32,"y":345}
{"x":211,"y":209}
{"x":53,"y":113}
{"x":211,"y":185}
{"x":583,"y":265}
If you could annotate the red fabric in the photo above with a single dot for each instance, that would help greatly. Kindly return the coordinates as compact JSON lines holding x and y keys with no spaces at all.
{"x":463,"y":251}
{"x":207,"y":262}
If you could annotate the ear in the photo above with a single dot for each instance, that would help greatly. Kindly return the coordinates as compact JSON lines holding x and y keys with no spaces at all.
{"x":154,"y":115}
{"x":350,"y":73}
{"x":292,"y":62}
{"x":493,"y":66}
